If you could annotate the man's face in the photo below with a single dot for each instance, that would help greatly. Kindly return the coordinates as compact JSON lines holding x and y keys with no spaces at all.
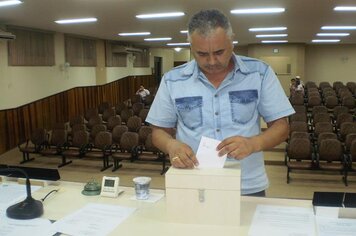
{"x":212,"y":52}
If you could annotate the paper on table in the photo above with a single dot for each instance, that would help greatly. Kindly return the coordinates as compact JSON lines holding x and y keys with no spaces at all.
{"x":38,"y":227}
{"x":207,"y":155}
{"x":153,"y":197}
{"x":282,"y":221}
{"x":332,"y":227}
{"x":93,"y":220}
{"x":13,"y":193}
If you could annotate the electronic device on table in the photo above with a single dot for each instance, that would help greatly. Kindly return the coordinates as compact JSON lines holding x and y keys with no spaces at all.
{"x":110,"y":186}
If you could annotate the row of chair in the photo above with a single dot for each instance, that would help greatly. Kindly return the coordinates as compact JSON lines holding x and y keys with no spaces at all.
{"x":118,"y":145}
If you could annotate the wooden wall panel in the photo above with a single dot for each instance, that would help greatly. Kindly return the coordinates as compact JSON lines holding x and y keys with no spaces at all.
{"x":16,"y":124}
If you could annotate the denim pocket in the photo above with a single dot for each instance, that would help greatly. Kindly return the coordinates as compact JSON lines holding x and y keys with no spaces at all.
{"x":243,"y":105}
{"x":190,"y":111}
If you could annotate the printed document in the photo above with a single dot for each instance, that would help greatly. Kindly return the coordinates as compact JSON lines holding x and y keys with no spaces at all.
{"x":282,"y":221}
{"x":13,"y":193}
{"x":335,"y":226}
{"x":93,"y":220}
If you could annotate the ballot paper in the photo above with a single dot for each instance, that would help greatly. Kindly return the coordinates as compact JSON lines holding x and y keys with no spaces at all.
{"x":282,"y":221}
{"x":207,"y":154}
{"x":93,"y":220}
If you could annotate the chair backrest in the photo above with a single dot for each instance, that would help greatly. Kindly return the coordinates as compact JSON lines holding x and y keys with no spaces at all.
{"x":126,"y":114}
{"x":38,"y":136}
{"x":59,"y":125}
{"x":119,"y":107}
{"x":76,"y":120}
{"x":337,"y":85}
{"x":353,"y":150}
{"x":351,"y":86}
{"x":103,"y":140}
{"x":331,"y":101}
{"x":117,"y":133}
{"x":94,"y":120}
{"x":103,"y":106}
{"x":300,"y":108}
{"x":321,"y":117}
{"x":108,"y":113}
{"x":314,"y":101}
{"x":143,"y":133}
{"x":348,"y":140}
{"x":347,"y":128}
{"x":128,"y":141}
{"x":134,"y":123}
{"x":78,"y":127}
{"x":297,"y":99}
{"x":348,"y":101}
{"x":58,"y":137}
{"x":319,"y":109}
{"x":342,"y":118}
{"x":297,"y":134}
{"x":149,"y":99}
{"x":298,"y":126}
{"x":96,"y":129}
{"x":113,"y":121}
{"x":339,"y":109}
{"x":90,"y":112}
{"x":326,"y":135}
{"x":137,"y":107}
{"x":143,"y":114}
{"x":330,"y":150}
{"x":135,"y":98}
{"x":300,"y":149}
{"x":80,"y":138}
{"x":324,"y":84}
{"x":321,"y":127}
{"x":298,"y":117}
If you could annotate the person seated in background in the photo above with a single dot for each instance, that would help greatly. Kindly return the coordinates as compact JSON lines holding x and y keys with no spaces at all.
{"x":143,"y":92}
{"x":292,"y":87}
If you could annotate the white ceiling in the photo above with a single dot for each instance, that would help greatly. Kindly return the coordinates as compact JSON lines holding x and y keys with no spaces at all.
{"x":302,"y":17}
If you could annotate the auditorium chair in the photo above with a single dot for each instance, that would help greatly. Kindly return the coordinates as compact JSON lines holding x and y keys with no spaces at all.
{"x":77,"y":148}
{"x":128,"y":149}
{"x":34,"y":144}
{"x":101,"y":148}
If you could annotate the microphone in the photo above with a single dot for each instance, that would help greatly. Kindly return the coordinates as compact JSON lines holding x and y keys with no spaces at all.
{"x":28,"y":208}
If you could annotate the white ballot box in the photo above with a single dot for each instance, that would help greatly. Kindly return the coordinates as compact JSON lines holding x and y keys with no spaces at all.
{"x":204,"y":196}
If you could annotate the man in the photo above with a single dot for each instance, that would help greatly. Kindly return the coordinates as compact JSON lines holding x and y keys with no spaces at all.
{"x":222,"y":96}
{"x":143,"y":92}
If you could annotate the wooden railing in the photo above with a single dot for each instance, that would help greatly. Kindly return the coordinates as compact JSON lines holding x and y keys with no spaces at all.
{"x":17,"y":124}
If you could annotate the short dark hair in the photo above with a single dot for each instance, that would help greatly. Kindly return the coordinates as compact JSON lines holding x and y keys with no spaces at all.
{"x":207,"y":20}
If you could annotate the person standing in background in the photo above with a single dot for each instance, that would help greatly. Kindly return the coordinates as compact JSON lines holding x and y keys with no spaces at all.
{"x":220,"y":95}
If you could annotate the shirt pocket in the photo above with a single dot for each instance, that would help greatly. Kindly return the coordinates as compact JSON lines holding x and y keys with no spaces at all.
{"x":190,"y":111}
{"x":243,"y":105}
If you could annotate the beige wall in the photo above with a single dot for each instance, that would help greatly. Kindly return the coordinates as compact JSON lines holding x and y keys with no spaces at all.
{"x":330,"y":63}
{"x":23,"y":84}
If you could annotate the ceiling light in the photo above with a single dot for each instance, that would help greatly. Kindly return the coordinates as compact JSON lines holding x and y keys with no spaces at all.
{"x":134,"y":34}
{"x":158,"y":39}
{"x":160,"y":15}
{"x":325,"y":40}
{"x":270,"y":35}
{"x":349,"y":27}
{"x":184,"y":31}
{"x":345,"y":8}
{"x":9,"y":3}
{"x":274,"y":41}
{"x":177,"y":49}
{"x":333,"y":34}
{"x":268,"y":29}
{"x":235,"y":42}
{"x":178,"y":44}
{"x":74,"y":21}
{"x":258,"y":10}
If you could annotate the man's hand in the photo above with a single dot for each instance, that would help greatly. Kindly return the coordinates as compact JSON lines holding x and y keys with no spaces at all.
{"x":181,"y":155}
{"x":236,"y":147}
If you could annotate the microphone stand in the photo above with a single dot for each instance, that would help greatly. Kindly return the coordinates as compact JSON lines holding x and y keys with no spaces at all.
{"x":28,"y":208}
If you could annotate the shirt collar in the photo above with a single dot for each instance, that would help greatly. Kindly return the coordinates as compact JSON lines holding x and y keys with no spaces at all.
{"x":192,"y":67}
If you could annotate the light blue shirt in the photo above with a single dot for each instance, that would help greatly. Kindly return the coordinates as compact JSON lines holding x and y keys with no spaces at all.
{"x":188,"y":101}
